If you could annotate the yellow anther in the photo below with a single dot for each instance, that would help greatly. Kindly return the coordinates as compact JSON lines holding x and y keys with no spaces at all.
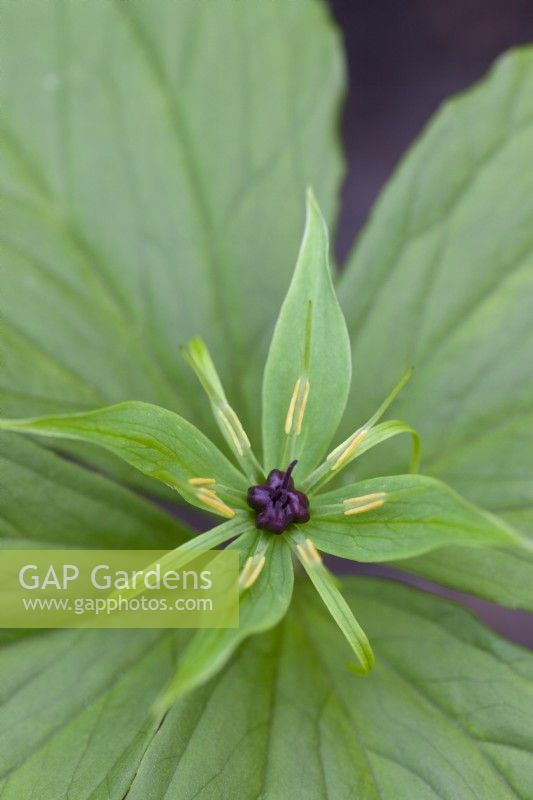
{"x":350,"y":449}
{"x":201,"y":481}
{"x":292,"y":404}
{"x":302,"y":406}
{"x":361,"y":509}
{"x":366,"y":502}
{"x":309,"y":553}
{"x":364,"y":497}
{"x":209,"y":490}
{"x":233,"y":426}
{"x":295,"y":414}
{"x":252,"y":570}
{"x":210,"y":498}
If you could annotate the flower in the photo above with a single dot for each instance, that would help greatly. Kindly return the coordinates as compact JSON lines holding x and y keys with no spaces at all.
{"x":277,"y":502}
{"x":269,"y":520}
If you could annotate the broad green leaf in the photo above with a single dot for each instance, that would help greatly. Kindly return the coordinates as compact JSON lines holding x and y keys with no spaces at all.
{"x":327,"y":588}
{"x":46,"y":501}
{"x":73,"y":711}
{"x":262,"y":605}
{"x":496,"y":470}
{"x":155,"y":159}
{"x":442,"y":278}
{"x":308,"y":370}
{"x":499,"y":574}
{"x":383,"y":519}
{"x":158,"y":442}
{"x":444,"y":713}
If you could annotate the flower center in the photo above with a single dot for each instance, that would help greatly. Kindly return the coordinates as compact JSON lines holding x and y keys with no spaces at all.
{"x":277,"y":503}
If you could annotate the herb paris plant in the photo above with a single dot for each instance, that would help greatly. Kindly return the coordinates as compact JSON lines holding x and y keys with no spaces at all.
{"x":279,"y":507}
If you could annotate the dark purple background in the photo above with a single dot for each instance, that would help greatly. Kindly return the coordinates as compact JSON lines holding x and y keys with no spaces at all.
{"x":404,"y":59}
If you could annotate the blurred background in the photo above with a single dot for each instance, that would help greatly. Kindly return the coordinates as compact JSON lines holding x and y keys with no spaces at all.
{"x":404,"y":60}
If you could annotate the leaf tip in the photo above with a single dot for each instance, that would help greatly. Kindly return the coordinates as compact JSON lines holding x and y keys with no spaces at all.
{"x":310,"y":195}
{"x":366,"y":663}
{"x":313,"y":208}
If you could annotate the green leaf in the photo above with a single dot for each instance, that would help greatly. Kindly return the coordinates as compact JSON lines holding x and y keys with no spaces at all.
{"x":495,"y":469}
{"x":136,"y":214}
{"x":262,"y":605}
{"x":444,"y":713}
{"x":73,"y":711}
{"x":159,"y":443}
{"x":442,"y":278}
{"x":46,"y":501}
{"x":327,"y":588}
{"x":384,"y":519}
{"x":308,"y":370}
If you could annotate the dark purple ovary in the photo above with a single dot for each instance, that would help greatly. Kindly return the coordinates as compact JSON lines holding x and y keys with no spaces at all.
{"x":277,"y":503}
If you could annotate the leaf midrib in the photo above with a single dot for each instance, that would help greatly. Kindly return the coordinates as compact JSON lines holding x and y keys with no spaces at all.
{"x":359,"y":739}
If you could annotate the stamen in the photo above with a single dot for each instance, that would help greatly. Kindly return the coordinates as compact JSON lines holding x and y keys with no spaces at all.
{"x":292,"y":404}
{"x":309,"y":553}
{"x":298,"y":403}
{"x":303,"y":404}
{"x":201,"y":481}
{"x":362,"y":509}
{"x":197,"y":355}
{"x":363,"y":497}
{"x":234,"y":428}
{"x":251,"y":571}
{"x":366,"y":502}
{"x":350,"y":449}
{"x":210,"y":491}
{"x":210,"y":498}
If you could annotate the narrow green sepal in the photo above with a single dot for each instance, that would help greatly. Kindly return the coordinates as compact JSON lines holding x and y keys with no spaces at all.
{"x":198,"y":357}
{"x":363,"y":439}
{"x":265,"y":594}
{"x":326,"y":586}
{"x":178,"y":558}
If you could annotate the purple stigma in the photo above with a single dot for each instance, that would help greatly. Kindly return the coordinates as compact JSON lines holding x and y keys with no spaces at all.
{"x":288,"y":473}
{"x":277,"y":503}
